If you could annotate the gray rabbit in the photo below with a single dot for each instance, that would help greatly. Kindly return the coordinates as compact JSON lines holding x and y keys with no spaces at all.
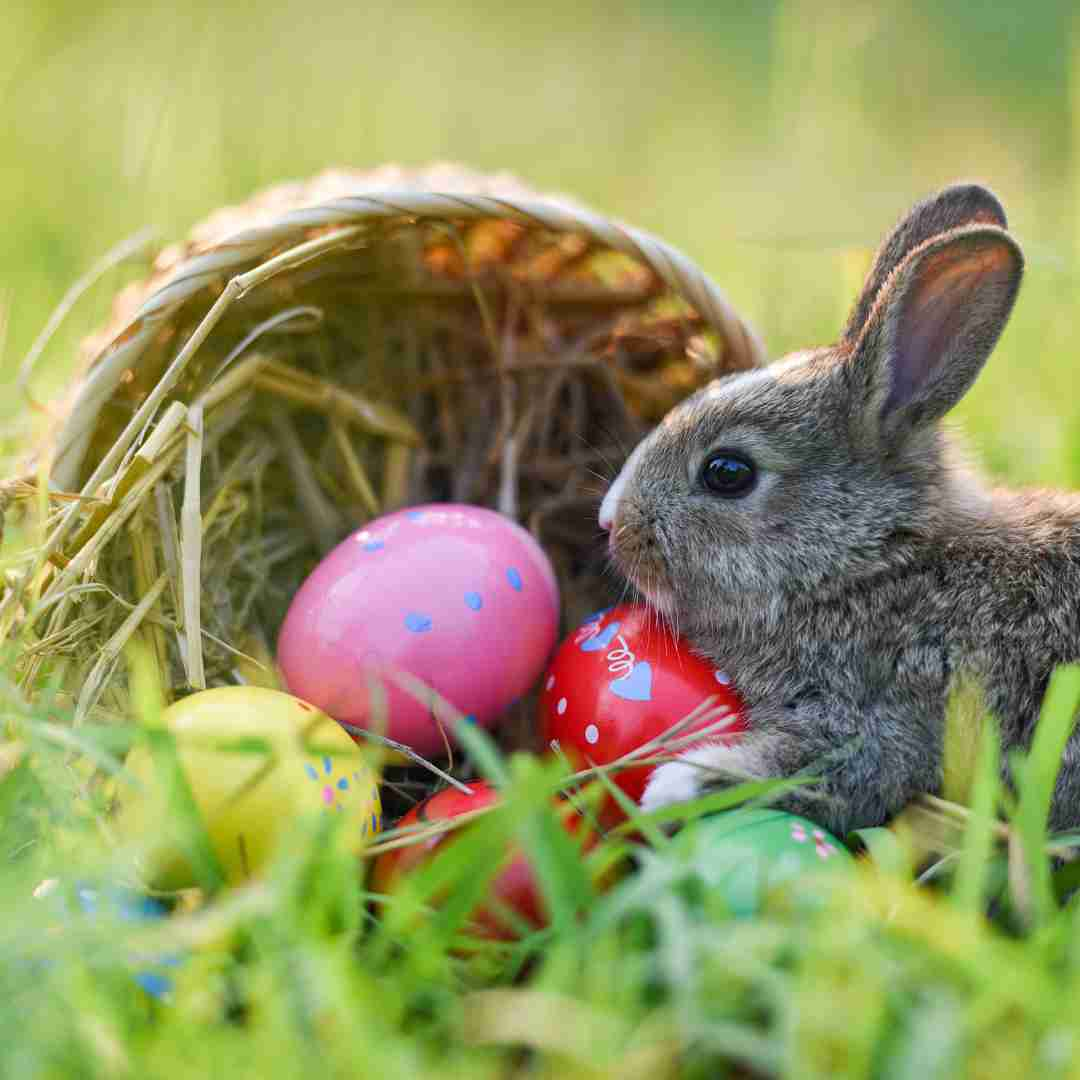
{"x":811,"y":529}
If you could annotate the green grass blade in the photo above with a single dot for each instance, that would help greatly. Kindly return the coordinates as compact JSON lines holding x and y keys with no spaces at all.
{"x":1035,"y":779}
{"x":727,"y":799}
{"x":885,"y":850}
{"x":480,"y":746}
{"x":555,"y":856}
{"x":971,"y":874}
{"x":191,"y":833}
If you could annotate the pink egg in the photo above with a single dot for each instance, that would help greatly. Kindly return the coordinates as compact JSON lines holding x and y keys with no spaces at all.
{"x":458,"y":596}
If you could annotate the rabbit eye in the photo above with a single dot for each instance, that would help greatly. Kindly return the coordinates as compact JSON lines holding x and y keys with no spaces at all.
{"x":729,"y":475}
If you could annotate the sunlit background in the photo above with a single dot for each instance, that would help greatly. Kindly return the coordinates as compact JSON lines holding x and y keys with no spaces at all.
{"x":773,"y":141}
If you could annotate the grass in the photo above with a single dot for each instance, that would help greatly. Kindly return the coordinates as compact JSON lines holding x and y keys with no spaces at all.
{"x":650,"y":975}
{"x":774,"y":143}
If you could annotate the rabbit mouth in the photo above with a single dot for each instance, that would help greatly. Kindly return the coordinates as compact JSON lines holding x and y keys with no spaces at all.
{"x":645,"y":572}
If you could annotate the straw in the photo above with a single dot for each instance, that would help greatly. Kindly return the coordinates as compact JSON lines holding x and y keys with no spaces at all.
{"x":330,"y":351}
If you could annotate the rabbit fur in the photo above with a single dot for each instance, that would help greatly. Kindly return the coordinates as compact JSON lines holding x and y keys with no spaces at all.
{"x":868,"y":565}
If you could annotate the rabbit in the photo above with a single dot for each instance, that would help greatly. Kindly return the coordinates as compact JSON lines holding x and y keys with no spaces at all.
{"x":814,"y":532}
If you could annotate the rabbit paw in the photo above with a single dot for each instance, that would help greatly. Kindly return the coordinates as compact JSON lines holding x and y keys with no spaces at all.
{"x":692,"y":776}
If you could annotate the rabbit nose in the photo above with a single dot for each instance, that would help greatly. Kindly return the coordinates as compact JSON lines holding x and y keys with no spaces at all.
{"x":611,"y":502}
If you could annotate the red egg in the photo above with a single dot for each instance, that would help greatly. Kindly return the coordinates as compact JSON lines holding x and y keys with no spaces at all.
{"x":515,"y":885}
{"x":619,"y":681}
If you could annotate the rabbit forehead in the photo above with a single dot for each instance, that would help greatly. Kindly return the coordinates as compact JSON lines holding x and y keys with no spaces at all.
{"x":787,"y":399}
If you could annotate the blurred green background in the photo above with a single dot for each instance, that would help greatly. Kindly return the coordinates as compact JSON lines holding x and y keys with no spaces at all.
{"x":773,"y":141}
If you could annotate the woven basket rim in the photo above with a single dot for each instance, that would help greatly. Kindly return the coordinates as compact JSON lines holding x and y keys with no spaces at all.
{"x":248,"y":246}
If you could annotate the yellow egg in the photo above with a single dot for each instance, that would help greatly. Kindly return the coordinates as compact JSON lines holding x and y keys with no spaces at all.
{"x":254,"y":759}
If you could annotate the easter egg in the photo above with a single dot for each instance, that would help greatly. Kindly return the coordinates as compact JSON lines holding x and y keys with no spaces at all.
{"x":744,"y":855}
{"x":254,"y":759}
{"x":621,"y":680}
{"x":154,"y":974}
{"x":460,"y":597}
{"x":514,"y":885}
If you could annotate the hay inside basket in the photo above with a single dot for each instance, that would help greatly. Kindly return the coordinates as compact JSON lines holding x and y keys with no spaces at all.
{"x":327,"y":352}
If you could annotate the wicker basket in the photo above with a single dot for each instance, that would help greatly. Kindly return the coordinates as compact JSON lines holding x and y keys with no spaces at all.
{"x":328,"y":351}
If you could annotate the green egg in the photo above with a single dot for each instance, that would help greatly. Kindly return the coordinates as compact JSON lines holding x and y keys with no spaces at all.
{"x":746,"y":855}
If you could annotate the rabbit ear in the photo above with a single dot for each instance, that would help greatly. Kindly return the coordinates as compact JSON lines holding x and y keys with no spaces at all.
{"x":952,"y":208}
{"x":935,"y":322}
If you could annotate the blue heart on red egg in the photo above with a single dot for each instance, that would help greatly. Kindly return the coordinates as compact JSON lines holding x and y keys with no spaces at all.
{"x":601,"y":641}
{"x":636,"y":685}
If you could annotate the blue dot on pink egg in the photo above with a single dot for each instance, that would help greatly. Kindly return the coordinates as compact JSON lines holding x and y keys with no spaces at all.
{"x":474,"y":601}
{"x":417,"y":622}
{"x":374,"y":545}
{"x":513,"y":575}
